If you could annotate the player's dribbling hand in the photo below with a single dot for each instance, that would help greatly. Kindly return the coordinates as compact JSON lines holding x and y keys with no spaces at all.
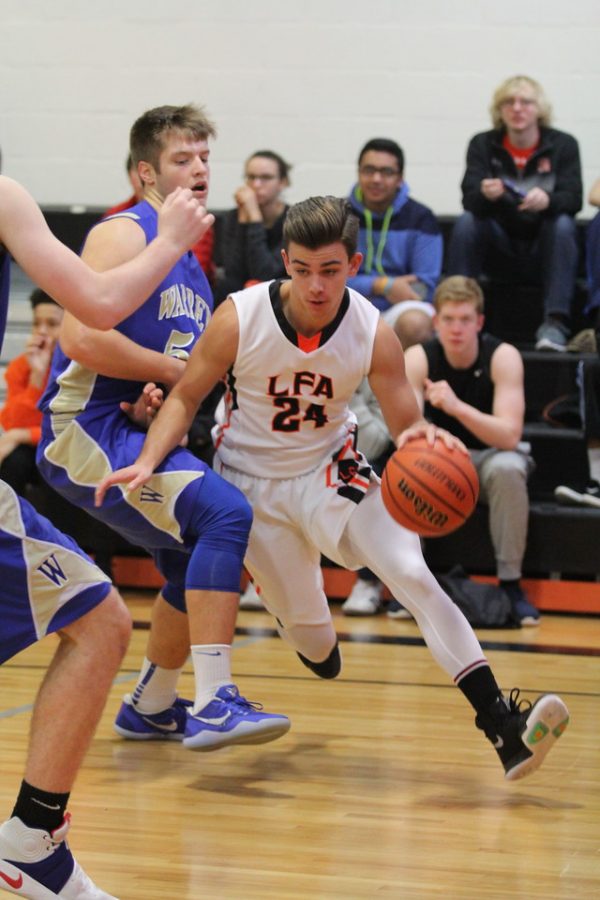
{"x":133,"y":476}
{"x":182,"y":219}
{"x":431,"y":433}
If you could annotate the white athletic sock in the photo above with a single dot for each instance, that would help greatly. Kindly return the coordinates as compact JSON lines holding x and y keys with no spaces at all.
{"x":156,"y":688}
{"x":594,"y":462}
{"x":212,"y":669}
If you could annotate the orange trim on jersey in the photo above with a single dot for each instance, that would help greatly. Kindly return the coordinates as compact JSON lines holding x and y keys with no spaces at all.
{"x":220,"y":432}
{"x":347,"y":446}
{"x":307,"y":345}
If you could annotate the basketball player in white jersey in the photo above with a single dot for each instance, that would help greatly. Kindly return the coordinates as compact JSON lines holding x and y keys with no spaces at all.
{"x":48,"y":584}
{"x":294,"y":352}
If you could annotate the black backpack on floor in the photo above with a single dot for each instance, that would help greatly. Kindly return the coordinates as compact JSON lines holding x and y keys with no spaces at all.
{"x":483,"y":605}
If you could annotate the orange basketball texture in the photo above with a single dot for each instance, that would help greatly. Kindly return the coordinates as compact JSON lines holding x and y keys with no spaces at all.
{"x":430,"y":490}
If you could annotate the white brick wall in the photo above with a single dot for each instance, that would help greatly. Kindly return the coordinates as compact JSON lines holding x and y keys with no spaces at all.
{"x":312,"y":79}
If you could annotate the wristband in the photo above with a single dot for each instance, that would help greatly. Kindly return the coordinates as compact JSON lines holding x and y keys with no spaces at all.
{"x":389,"y":283}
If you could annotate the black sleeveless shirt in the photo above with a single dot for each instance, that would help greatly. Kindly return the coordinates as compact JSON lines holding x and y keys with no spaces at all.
{"x":473,"y":386}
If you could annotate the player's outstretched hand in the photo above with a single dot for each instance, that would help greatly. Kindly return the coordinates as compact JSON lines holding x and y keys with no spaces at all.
{"x":133,"y":476}
{"x":145,"y":407}
{"x":182,"y":219}
{"x":431,"y":433}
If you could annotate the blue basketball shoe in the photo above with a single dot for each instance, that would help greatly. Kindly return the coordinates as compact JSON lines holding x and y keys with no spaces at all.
{"x":231,"y":719}
{"x":38,"y":864}
{"x":167,"y":725}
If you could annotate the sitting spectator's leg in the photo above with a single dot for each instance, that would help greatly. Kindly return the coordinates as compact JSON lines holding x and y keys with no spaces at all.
{"x":558,"y":259}
{"x":467,"y":246}
{"x":476,"y":244}
{"x":503,"y":482}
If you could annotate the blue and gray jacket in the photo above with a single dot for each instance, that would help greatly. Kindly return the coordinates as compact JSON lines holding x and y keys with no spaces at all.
{"x":405,"y":240}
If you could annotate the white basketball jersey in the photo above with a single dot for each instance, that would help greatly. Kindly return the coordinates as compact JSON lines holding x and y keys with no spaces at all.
{"x":286,"y":405}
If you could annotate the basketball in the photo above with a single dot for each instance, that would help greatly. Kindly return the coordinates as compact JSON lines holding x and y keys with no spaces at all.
{"x":430,"y":490}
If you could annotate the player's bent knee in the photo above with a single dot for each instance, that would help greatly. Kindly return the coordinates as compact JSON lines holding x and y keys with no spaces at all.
{"x":329,"y":668}
{"x":104,"y":630}
{"x":115,"y":610}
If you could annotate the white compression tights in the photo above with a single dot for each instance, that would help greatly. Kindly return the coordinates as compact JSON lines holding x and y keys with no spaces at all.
{"x":373,"y":539}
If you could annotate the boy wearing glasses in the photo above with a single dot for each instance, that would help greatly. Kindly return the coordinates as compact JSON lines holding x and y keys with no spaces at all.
{"x":400,"y":241}
{"x":521,"y":190}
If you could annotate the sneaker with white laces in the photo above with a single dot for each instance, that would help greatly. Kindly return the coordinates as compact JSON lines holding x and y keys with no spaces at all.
{"x":250,"y":598}
{"x":551,"y":336}
{"x":364,"y":598}
{"x":231,"y":719}
{"x":38,"y":864}
{"x":522,"y":733}
{"x":395,"y":610}
{"x":590,"y":496}
{"x":167,"y":725}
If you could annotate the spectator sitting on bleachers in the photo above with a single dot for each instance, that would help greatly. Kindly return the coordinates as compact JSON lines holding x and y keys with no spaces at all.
{"x":589,"y":385}
{"x":250,"y":236}
{"x":26,"y":376}
{"x":400,"y":240}
{"x":472,"y":384}
{"x":203,"y":250}
{"x":521,"y":191}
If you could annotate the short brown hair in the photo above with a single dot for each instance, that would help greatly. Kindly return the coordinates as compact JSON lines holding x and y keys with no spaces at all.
{"x":509,"y":88}
{"x":458,"y":289}
{"x":319,"y":221}
{"x":146,"y":138}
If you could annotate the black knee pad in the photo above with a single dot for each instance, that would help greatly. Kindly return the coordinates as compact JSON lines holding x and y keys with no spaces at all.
{"x":329,"y":668}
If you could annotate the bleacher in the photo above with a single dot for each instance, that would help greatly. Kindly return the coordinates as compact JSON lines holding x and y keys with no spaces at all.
{"x":562,"y":545}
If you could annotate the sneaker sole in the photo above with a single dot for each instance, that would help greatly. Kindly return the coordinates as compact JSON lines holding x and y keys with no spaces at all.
{"x":24,"y":885}
{"x":545,"y":344}
{"x":530,"y":621}
{"x":204,"y":742}
{"x":546,"y":722}
{"x":567,"y":495}
{"x":151,"y":736}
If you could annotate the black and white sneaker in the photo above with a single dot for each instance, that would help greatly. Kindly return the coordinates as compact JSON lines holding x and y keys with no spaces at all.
{"x":590,"y":496}
{"x":522,"y":733}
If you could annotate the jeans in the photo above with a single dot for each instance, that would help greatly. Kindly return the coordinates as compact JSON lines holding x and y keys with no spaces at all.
{"x":551,"y":258}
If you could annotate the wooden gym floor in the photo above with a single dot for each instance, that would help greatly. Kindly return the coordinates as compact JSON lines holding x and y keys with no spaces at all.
{"x":383,"y":788}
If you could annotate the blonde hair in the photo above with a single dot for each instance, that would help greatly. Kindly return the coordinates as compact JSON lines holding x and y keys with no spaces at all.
{"x":514,"y":85}
{"x":458,"y":289}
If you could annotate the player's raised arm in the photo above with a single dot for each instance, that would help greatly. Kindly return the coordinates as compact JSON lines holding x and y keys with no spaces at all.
{"x":210,"y":359}
{"x":99,"y":300}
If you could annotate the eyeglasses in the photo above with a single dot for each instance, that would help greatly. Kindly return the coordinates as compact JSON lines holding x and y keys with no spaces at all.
{"x":384,"y":171}
{"x":523,"y":101}
{"x":260,"y":177}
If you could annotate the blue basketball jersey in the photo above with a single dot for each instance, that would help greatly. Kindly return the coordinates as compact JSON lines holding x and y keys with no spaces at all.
{"x":170,"y":321}
{"x":85,"y":434}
